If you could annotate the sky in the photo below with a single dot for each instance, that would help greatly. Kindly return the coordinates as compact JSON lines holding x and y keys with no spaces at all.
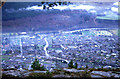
{"x":29,"y":16}
{"x":108,"y":11}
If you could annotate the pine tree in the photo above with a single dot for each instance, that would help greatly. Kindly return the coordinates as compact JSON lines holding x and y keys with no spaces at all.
{"x":76,"y":65}
{"x":111,"y":51}
{"x":36,"y":65}
{"x":42,"y":68}
{"x":86,"y":66}
{"x":70,"y":64}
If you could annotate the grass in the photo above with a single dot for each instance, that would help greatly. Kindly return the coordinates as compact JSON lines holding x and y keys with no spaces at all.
{"x":8,"y":69}
{"x":31,"y":75}
{"x":40,"y":75}
{"x":4,"y":76}
{"x":116,"y":31}
{"x":73,"y":74}
{"x":84,"y":74}
{"x":81,"y":68}
{"x":105,"y":69}
{"x":78,"y":74}
{"x":6,"y":57}
{"x":119,"y":32}
{"x":46,"y":63}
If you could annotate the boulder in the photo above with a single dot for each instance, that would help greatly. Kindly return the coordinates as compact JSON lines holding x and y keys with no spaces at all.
{"x":102,"y":73}
{"x":14,"y":73}
{"x":26,"y":74}
{"x":40,"y":71}
{"x":59,"y":76}
{"x":73,"y":70}
{"x":96,"y":76}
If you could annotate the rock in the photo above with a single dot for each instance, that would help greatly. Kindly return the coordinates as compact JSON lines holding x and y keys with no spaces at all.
{"x":11,"y":71}
{"x":107,"y":67}
{"x":96,"y":76}
{"x":14,"y":73}
{"x":29,"y":68}
{"x":22,"y":70}
{"x":26,"y":74}
{"x":40,"y":71}
{"x":65,"y":76}
{"x":115,"y":75}
{"x":73,"y":70}
{"x":102,"y":73}
{"x":51,"y":70}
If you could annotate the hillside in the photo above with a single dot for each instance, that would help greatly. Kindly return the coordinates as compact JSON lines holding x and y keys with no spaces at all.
{"x":55,"y":20}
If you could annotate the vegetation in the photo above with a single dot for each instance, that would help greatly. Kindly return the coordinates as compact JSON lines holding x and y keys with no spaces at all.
{"x":4,"y":76}
{"x":86,"y":66}
{"x":76,"y":65}
{"x":119,"y":32}
{"x":36,"y":65}
{"x":84,"y":74}
{"x":82,"y":68}
{"x":70,"y":65}
{"x":104,"y":69}
{"x":38,"y":75}
{"x":49,"y":73}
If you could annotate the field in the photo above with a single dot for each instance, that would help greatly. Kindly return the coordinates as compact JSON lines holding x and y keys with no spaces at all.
{"x":116,"y":32}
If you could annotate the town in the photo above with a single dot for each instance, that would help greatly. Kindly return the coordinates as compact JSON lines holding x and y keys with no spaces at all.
{"x":94,"y":48}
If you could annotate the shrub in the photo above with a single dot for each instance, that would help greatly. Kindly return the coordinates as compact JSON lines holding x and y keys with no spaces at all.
{"x":48,"y":73}
{"x":36,"y":66}
{"x":86,"y":66}
{"x":76,"y":65}
{"x":85,"y":74}
{"x":70,"y":64}
{"x":42,"y":68}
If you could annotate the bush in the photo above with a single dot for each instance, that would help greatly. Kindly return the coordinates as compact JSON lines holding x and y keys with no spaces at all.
{"x":76,"y":65}
{"x":36,"y":66}
{"x":48,"y":73}
{"x":42,"y":68}
{"x":4,"y":76}
{"x":86,"y":66}
{"x":85,"y":74}
{"x":70,"y":64}
{"x":36,"y":75}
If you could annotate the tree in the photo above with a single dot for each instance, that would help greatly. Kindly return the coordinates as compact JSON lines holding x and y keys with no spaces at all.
{"x":86,"y":66}
{"x":111,"y":51}
{"x":42,"y":68}
{"x":44,"y":7}
{"x":76,"y":65}
{"x":36,"y":65}
{"x":70,"y":64}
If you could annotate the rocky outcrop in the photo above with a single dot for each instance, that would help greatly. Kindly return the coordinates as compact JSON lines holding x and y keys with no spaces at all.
{"x":95,"y":74}
{"x":64,"y":73}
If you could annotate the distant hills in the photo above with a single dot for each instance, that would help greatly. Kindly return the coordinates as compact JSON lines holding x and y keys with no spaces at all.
{"x":49,"y":20}
{"x":55,"y":20}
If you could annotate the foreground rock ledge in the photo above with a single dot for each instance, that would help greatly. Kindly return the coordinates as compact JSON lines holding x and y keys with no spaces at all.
{"x":64,"y":73}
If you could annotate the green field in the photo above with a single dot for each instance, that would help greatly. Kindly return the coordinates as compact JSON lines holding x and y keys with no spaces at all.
{"x":119,"y":32}
{"x":116,"y":32}
{"x":6,"y":57}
